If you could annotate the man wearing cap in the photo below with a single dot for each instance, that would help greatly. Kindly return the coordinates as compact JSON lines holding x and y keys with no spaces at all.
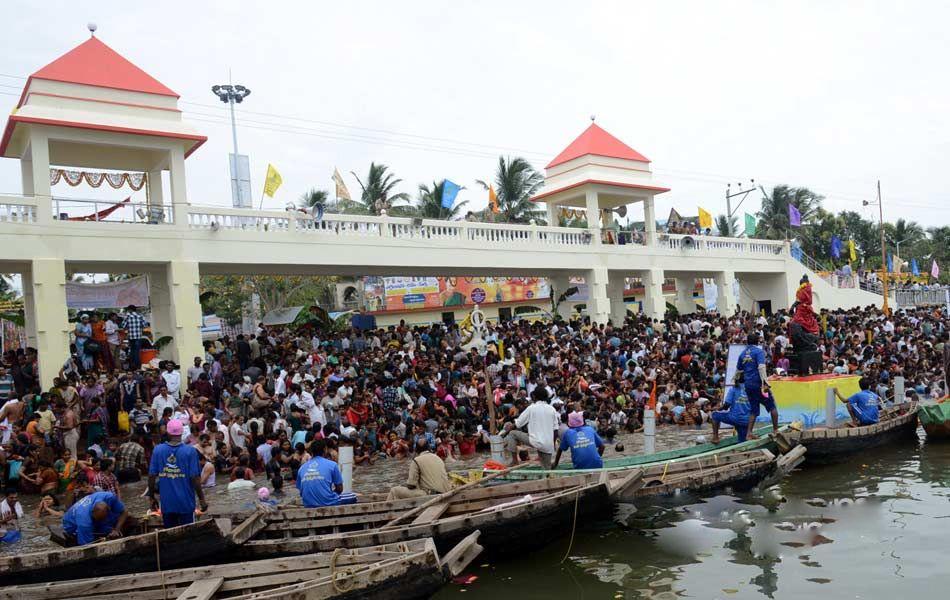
{"x":585,"y":445}
{"x":752,"y":366}
{"x":175,"y":470}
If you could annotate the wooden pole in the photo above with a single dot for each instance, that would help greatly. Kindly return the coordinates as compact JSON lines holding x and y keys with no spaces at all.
{"x":492,"y":427}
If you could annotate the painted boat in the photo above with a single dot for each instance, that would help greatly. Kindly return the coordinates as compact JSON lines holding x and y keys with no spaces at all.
{"x":935,"y":419}
{"x":728,"y":445}
{"x":512,"y":517}
{"x":412,"y":569}
{"x":831,"y":444}
{"x":161,"y":548}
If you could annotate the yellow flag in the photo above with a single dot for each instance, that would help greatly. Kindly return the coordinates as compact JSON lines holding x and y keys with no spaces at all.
{"x":493,"y":200}
{"x":341,"y":192}
{"x":851,"y":250}
{"x":705,"y":219}
{"x":272,"y":181}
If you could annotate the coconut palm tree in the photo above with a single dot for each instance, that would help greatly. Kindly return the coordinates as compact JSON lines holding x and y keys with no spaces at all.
{"x":313,"y":197}
{"x":773,"y":220}
{"x":378,"y":193}
{"x":727,"y":227}
{"x":516,"y":181}
{"x":906,"y":233}
{"x":429,"y":203}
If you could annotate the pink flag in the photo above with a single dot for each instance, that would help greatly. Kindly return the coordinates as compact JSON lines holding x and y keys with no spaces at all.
{"x":935,"y":270}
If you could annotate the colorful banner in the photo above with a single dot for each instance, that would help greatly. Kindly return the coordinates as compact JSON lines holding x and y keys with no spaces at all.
{"x":115,"y":294}
{"x":406,"y":293}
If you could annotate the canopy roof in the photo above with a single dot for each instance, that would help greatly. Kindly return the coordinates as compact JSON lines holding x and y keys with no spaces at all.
{"x":596,"y":141}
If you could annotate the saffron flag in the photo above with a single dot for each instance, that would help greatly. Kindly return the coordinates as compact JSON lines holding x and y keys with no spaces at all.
{"x":272,"y":181}
{"x":749,"y":225}
{"x":914,"y":268}
{"x":449,"y":192}
{"x":835,"y":246}
{"x":794,"y":217}
{"x":341,"y":192}
{"x":652,"y":403}
{"x":493,"y":200}
{"x":705,"y":219}
{"x":935,"y":270}
{"x":852,"y":251}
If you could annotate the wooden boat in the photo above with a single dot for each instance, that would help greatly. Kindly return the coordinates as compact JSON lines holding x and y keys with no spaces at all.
{"x":727,"y":445}
{"x":935,"y":419}
{"x":411,"y":569}
{"x":145,"y":552}
{"x":830,"y":444}
{"x":511,"y":517}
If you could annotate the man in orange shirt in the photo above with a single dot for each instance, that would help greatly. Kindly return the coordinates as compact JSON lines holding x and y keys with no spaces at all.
{"x":104,"y":357}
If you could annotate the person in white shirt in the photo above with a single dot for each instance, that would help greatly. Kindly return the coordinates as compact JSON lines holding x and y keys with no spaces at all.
{"x":10,"y":512}
{"x":238,"y":435}
{"x":195,"y":370}
{"x":542,"y":421}
{"x":172,"y":380}
{"x":314,"y":411}
{"x":162,"y":401}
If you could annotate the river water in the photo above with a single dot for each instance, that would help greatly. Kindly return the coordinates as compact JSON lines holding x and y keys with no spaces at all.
{"x":876,"y":526}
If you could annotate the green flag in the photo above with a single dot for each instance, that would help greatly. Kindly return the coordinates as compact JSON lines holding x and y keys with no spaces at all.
{"x":749,"y":225}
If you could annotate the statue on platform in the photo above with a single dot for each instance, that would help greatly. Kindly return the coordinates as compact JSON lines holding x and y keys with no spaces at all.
{"x":803,"y":332}
{"x":802,"y":311}
{"x":477,"y":322}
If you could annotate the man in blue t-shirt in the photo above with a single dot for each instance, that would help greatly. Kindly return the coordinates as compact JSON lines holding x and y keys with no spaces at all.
{"x":863,"y":405}
{"x":98,"y":515}
{"x":319,"y":480}
{"x":585,"y":445}
{"x":734,"y":411}
{"x":752,"y":366}
{"x":174,"y":467}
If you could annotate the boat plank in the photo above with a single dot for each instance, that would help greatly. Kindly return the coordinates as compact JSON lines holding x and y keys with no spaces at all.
{"x":203,"y":589}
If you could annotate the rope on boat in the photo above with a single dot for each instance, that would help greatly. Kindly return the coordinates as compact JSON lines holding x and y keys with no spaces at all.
{"x":570,"y":545}
{"x":665,"y":469}
{"x":158,"y":564}
{"x":334,"y":572}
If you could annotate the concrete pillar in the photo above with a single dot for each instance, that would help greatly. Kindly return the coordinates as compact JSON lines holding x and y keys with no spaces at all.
{"x":726,"y":301}
{"x":26,"y":173}
{"x":39,"y":170}
{"x":48,"y":322}
{"x":176,"y":311}
{"x":593,"y":216}
{"x":598,"y":305}
{"x":559,"y":283}
{"x":156,"y":193}
{"x":649,"y":221}
{"x":654,"y":304}
{"x":178,"y":191}
{"x":685,"y":304}
{"x":618,"y":309}
{"x":29,"y":306}
{"x":552,"y":210}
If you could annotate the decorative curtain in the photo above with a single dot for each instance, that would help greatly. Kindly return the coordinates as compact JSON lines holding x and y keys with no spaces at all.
{"x":571,"y":213}
{"x":116,"y":180}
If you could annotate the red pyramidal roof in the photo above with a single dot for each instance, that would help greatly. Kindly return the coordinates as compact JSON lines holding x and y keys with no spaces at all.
{"x":94,"y":63}
{"x":598,"y":142}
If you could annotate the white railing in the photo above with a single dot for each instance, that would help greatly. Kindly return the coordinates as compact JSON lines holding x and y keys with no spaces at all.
{"x":720,"y":244}
{"x":104,"y":211}
{"x":17,"y":209}
{"x":931,"y":297}
{"x":236,"y":218}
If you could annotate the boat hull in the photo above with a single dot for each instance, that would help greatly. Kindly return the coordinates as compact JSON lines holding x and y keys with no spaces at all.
{"x":836,"y":444}
{"x":935,"y":419}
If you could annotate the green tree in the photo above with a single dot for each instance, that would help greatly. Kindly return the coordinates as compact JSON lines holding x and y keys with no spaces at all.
{"x":429,"y":203}
{"x":378,"y":193}
{"x":516,"y":182}
{"x":313,"y":197}
{"x":727,"y":228}
{"x":772,"y":218}
{"x":908,"y":234}
{"x":229,"y":296}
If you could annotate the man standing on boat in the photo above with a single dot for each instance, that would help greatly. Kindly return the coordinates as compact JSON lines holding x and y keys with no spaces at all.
{"x":174,"y":468}
{"x":734,"y":411}
{"x":752,"y":366}
{"x":863,"y":405}
{"x":319,"y":480}
{"x":427,"y":475}
{"x":585,"y":445}
{"x":100,"y":515}
{"x":542,"y":421}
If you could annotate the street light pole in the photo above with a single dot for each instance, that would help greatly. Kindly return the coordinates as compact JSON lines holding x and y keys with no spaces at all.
{"x":231,"y":95}
{"x":880,"y":209}
{"x":729,"y":196}
{"x":240,"y":170}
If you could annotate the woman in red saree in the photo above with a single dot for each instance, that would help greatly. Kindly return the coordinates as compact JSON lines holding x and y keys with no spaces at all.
{"x":804,"y":314}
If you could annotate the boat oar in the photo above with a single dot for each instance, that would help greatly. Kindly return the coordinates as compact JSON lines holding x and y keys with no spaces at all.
{"x":445,"y":496}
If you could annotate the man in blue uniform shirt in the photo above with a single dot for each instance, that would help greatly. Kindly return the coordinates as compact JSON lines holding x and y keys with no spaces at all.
{"x":98,"y":515}
{"x":862,"y":406}
{"x":734,"y":411}
{"x":319,"y":480}
{"x":585,"y":445}
{"x":752,"y":366}
{"x":174,"y":473}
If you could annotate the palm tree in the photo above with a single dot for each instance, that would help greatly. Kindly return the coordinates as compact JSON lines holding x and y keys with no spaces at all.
{"x":726,"y":228}
{"x":378,"y":193}
{"x":906,"y":233}
{"x":516,"y":181}
{"x":313,"y":197}
{"x":773,"y":220}
{"x":429,"y":203}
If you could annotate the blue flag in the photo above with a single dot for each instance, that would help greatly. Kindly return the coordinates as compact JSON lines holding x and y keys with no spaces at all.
{"x":914,"y":268}
{"x":449,"y":192}
{"x":835,"y":246}
{"x":794,"y":217}
{"x":890,"y":262}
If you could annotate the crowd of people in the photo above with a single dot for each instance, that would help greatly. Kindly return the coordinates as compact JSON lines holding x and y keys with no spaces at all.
{"x":279,"y":403}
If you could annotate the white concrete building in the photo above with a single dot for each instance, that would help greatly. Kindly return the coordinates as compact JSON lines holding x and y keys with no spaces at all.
{"x":93,"y":109}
